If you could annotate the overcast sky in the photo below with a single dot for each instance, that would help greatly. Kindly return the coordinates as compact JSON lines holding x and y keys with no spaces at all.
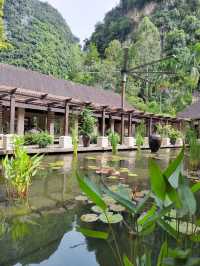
{"x":82,"y":15}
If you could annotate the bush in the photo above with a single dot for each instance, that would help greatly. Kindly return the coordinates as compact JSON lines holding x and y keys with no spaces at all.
{"x":42,"y":139}
{"x":30,"y":139}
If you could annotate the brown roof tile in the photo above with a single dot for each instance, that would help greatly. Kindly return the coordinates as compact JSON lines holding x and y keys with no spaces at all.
{"x":13,"y":76}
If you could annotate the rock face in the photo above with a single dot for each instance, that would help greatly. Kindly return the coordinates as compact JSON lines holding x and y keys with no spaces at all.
{"x":41,"y":39}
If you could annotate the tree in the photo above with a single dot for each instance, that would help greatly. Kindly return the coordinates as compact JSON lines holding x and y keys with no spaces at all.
{"x":3,"y":43}
{"x":148,"y":45}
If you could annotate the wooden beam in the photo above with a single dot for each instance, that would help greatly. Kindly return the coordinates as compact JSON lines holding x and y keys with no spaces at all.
{"x":12,"y":114}
{"x":30,"y":100}
{"x":4,"y":95}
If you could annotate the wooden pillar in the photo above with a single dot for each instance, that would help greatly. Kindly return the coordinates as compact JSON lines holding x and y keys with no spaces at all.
{"x":1,"y":118}
{"x":103,"y":123}
{"x":149,"y":127}
{"x":12,"y":114}
{"x":112,"y":124}
{"x":50,"y":122}
{"x":66,"y":119}
{"x":122,"y":128}
{"x":20,"y":121}
{"x":130,"y":125}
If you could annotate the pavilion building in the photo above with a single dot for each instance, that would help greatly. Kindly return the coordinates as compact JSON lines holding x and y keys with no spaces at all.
{"x":29,"y":99}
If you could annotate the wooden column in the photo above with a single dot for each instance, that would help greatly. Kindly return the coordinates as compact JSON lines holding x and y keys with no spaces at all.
{"x":66,"y":119}
{"x":122,"y":128}
{"x":130,"y":125}
{"x":112,"y":124}
{"x":103,"y":122}
{"x":1,"y":118}
{"x":20,"y":121}
{"x":50,"y":122}
{"x":149,"y":127}
{"x":12,"y":114}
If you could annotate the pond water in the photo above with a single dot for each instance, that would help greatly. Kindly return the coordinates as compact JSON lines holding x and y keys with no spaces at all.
{"x":45,"y":232}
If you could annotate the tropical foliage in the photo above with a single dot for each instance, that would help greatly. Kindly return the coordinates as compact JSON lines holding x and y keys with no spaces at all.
{"x":19,"y":170}
{"x":170,"y":206}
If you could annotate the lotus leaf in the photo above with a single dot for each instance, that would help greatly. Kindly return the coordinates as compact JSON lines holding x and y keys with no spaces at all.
{"x":89,"y":218}
{"x":132,"y":175}
{"x":81,"y":198}
{"x":117,"y":208}
{"x":111,"y":218}
{"x":97,"y":209}
{"x":108,"y":200}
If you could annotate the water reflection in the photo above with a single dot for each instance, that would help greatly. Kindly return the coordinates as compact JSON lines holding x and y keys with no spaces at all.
{"x":45,"y":234}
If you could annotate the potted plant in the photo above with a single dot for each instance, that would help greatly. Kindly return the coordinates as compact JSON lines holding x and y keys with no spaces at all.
{"x":174,"y":134}
{"x":87,"y":126}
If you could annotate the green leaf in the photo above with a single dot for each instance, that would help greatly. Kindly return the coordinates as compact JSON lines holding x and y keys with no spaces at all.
{"x":167,"y":228}
{"x":128,"y":204}
{"x":142,"y":203}
{"x":174,"y":170}
{"x":188,"y":200}
{"x":127,"y":261}
{"x":158,"y":215}
{"x":195,"y":188}
{"x":91,"y":190}
{"x":158,"y":183}
{"x":145,"y":217}
{"x":162,"y":254}
{"x":93,"y":234}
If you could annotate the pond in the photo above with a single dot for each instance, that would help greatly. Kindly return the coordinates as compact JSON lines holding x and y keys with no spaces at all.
{"x":45,"y":232}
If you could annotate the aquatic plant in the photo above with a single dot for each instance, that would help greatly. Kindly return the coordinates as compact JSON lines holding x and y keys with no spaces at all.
{"x":170,"y":194}
{"x":19,"y":170}
{"x":75,"y":140}
{"x":194,"y":153}
{"x":114,"y":141}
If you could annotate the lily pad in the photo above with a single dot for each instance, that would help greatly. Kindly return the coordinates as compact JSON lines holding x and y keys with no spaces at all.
{"x":124,"y":170}
{"x":57,"y":164}
{"x":111,"y":218}
{"x":92,"y":167}
{"x":89,"y":218}
{"x":112,"y":177}
{"x":117,"y":208}
{"x":81,"y":198}
{"x":91,"y":158}
{"x":96,"y":209}
{"x":132,"y":175}
{"x":108,"y":200}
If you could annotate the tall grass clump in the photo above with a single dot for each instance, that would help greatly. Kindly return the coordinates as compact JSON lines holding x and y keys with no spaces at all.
{"x":114,"y":140}
{"x":75,"y":140}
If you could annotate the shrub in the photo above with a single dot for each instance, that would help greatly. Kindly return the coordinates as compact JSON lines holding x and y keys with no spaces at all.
{"x":44,"y":139}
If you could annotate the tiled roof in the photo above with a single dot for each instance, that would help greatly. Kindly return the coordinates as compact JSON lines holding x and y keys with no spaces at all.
{"x":192,"y":111}
{"x":13,"y":76}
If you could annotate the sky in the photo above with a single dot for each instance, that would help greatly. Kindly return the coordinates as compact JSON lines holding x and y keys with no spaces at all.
{"x":82,"y":15}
